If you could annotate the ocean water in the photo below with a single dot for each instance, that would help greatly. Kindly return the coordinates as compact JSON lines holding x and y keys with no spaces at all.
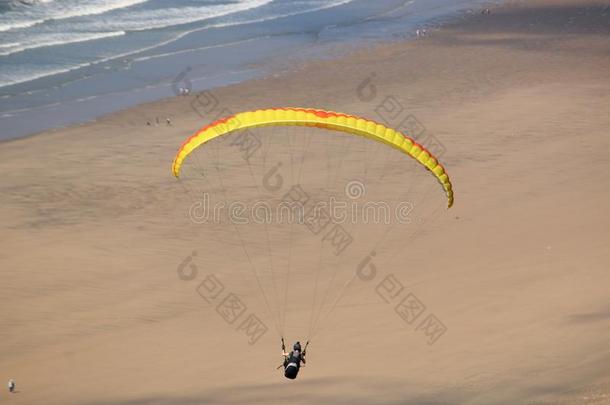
{"x":68,"y":61}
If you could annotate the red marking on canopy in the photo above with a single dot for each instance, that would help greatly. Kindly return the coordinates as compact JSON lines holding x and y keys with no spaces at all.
{"x":319,"y":113}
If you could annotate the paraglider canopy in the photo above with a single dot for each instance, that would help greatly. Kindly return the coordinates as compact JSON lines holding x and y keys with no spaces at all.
{"x":322,"y":119}
{"x":296,"y":249}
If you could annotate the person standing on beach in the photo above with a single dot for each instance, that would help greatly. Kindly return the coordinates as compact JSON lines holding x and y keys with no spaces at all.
{"x":11,"y":386}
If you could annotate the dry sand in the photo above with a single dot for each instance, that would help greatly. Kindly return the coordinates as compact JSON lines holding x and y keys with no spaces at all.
{"x":92,"y":234}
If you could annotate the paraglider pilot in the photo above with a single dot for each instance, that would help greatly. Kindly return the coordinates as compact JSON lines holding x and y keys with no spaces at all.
{"x":292,"y":360}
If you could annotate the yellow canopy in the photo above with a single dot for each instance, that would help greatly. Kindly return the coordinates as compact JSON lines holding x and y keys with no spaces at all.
{"x":321,"y":119}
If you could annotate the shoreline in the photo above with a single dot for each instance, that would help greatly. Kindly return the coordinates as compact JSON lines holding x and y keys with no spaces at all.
{"x":95,"y":106}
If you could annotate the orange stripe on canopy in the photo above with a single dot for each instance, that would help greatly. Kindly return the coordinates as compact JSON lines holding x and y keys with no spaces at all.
{"x":322,"y":119}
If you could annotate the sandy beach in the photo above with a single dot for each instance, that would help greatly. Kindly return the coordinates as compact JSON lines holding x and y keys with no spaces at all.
{"x":94,"y":230}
